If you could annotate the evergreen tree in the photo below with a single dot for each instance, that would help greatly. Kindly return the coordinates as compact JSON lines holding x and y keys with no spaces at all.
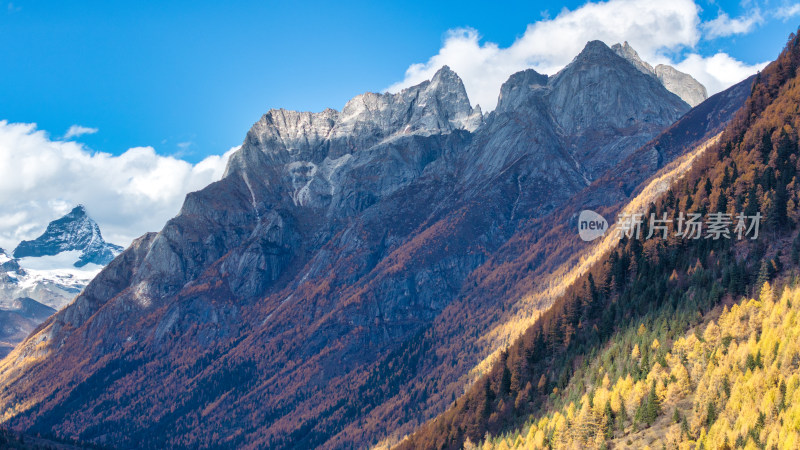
{"x":608,"y":426}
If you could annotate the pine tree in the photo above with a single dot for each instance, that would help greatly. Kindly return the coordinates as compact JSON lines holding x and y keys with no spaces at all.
{"x":763,"y":275}
{"x":608,"y":426}
{"x":752,"y":204}
{"x":766,"y":147}
{"x":711,"y":413}
{"x":505,"y":381}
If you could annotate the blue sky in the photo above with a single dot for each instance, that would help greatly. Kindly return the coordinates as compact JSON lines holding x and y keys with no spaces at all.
{"x":127,"y":106}
{"x":189,"y":78}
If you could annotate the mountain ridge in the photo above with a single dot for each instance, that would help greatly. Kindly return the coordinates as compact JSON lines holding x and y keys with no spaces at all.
{"x":287,"y":269}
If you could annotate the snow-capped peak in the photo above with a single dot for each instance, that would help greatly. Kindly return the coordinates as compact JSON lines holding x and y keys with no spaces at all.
{"x":75,"y":231}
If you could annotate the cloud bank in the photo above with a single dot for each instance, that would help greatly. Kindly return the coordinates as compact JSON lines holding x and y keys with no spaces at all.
{"x":655,"y":29}
{"x":128,"y":195}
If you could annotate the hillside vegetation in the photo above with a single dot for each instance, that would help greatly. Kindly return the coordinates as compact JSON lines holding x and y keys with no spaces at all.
{"x":734,"y":381}
{"x":622,"y":325}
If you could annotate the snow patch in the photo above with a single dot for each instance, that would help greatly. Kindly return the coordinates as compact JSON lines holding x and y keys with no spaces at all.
{"x":57,"y":262}
{"x":67,"y":278}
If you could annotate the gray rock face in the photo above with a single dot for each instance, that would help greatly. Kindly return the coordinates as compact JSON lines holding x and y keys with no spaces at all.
{"x":335,"y":236}
{"x":681,"y":84}
{"x":438,"y":106}
{"x":578,"y":123}
{"x":626,"y":51}
{"x":74,"y":231}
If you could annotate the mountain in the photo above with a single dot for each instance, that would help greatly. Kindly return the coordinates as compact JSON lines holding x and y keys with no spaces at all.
{"x":20,"y":315}
{"x":341,"y":281}
{"x":18,"y":319}
{"x":667,"y":342}
{"x":47,"y":273}
{"x":677,"y":82}
{"x":76,"y":231}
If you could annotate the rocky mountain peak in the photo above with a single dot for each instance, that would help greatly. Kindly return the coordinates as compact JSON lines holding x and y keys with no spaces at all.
{"x":439,"y":105}
{"x":436,"y":106}
{"x":518,"y":85}
{"x":681,"y":84}
{"x":446,"y":75}
{"x":600,"y":83}
{"x":594,"y":50}
{"x":75,"y":231}
{"x":627,"y":52}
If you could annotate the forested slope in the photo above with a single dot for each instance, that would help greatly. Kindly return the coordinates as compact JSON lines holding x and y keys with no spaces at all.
{"x":656,"y":289}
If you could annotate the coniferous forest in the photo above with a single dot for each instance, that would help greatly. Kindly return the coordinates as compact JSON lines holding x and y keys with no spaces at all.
{"x":679,"y":341}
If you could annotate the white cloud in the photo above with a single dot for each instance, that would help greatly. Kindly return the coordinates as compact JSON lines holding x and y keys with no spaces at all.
{"x":787,"y":12}
{"x":655,"y":29}
{"x":77,"y":130}
{"x":128,"y":195}
{"x":724,"y":26}
{"x":717,"y":72}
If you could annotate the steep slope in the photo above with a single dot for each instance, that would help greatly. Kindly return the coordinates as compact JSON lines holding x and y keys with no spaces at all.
{"x":615,"y":326}
{"x":333,"y":239}
{"x":710,"y":384}
{"x":522,"y":279}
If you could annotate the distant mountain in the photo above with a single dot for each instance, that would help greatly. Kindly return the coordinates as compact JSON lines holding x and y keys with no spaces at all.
{"x":47,"y":273}
{"x":18,"y":319}
{"x":681,"y":84}
{"x":76,"y":231}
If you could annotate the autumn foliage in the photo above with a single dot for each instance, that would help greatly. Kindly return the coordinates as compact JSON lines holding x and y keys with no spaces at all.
{"x":593,"y":337}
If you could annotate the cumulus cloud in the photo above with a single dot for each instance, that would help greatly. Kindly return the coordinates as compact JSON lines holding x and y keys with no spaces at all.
{"x":724,"y":26}
{"x":77,"y":130}
{"x":717,"y":72}
{"x":128,"y":195}
{"x":655,"y":29}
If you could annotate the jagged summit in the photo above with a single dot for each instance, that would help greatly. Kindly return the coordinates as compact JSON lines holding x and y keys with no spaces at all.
{"x":578,"y":112}
{"x":75,"y":231}
{"x":594,"y":49}
{"x":681,"y":84}
{"x":626,"y":51}
{"x":433,"y":107}
{"x":523,"y":81}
